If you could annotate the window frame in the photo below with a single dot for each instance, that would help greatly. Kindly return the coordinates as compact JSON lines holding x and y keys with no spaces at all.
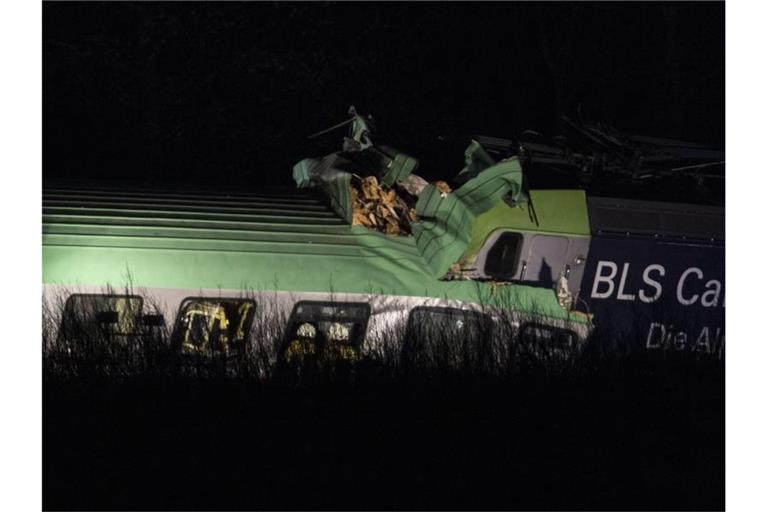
{"x":409,"y":352}
{"x":539,"y":343}
{"x":515,"y":273}
{"x":69,"y":310}
{"x":176,"y":341}
{"x":293,"y":322}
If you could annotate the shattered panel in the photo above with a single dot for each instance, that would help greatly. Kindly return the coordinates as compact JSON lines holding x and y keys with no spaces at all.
{"x":445,"y":220}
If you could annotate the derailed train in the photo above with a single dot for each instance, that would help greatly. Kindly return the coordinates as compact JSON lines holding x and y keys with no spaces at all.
{"x":556,"y":266}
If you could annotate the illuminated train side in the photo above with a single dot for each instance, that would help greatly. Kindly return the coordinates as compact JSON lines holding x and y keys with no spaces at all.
{"x":227,"y":263}
{"x":652,"y":274}
{"x":642,"y":273}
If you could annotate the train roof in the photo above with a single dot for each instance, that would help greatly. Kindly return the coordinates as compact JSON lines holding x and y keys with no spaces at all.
{"x":288,"y":241}
{"x":653,"y":218}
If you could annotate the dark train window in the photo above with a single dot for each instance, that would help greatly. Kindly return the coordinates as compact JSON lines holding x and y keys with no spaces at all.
{"x":503,"y":257}
{"x":446,"y":337}
{"x":95,"y":315}
{"x":326,"y":330}
{"x":546,"y":337}
{"x":208,"y":325}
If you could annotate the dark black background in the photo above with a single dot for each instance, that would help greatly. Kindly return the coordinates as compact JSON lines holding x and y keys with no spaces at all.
{"x":215,"y":93}
{"x":640,"y":439}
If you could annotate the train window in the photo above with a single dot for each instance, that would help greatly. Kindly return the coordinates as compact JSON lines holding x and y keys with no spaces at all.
{"x":548,"y":339}
{"x":326,"y":330}
{"x":86,"y":316}
{"x":504,"y":256}
{"x":446,"y":337}
{"x":208,"y":325}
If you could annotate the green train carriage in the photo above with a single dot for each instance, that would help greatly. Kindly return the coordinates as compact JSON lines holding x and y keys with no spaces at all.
{"x":197,"y":256}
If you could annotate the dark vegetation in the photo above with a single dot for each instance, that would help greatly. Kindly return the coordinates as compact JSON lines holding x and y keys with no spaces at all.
{"x":130,"y":423}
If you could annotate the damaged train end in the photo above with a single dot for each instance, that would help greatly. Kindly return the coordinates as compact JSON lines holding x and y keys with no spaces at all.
{"x":363,"y":261}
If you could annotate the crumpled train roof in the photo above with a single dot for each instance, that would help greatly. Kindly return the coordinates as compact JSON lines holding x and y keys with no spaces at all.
{"x":289,"y":241}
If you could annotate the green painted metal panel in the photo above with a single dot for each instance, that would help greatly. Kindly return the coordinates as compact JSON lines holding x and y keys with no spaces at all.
{"x":323,"y":173}
{"x":549,"y":211}
{"x":172,"y":268}
{"x":178,"y":243}
{"x":338,"y":193}
{"x":444,"y":229}
{"x":400,"y":167}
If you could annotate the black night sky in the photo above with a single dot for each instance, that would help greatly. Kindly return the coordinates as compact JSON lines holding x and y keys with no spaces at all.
{"x":220,"y":94}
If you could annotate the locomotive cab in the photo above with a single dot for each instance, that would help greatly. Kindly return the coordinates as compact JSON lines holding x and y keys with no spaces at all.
{"x":544,"y":243}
